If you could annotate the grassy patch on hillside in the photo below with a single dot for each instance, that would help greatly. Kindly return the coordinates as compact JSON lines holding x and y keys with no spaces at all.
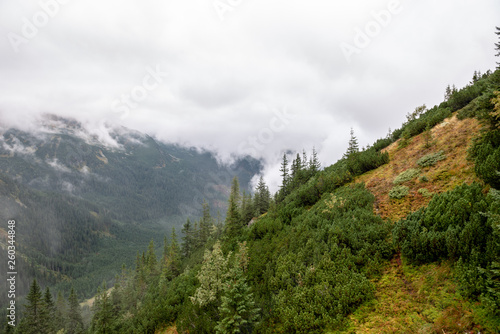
{"x":453,"y":138}
{"x":415,"y":299}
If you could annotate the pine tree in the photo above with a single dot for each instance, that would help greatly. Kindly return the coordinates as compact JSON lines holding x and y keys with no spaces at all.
{"x":48,"y":312}
{"x":151,"y":260}
{"x":75,"y":321}
{"x":448,"y":93}
{"x":117,"y":295}
{"x":238,"y":311}
{"x":187,"y":239}
{"x":305,"y":161}
{"x":212,"y":275}
{"x":262,"y":197}
{"x":32,"y":321}
{"x":233,"y":217}
{"x":173,"y":260}
{"x":497,"y":46}
{"x":296,"y":170}
{"x":353,"y":146}
{"x":428,"y":139}
{"x":164,"y":255}
{"x":60,"y":312}
{"x":314,"y":164}
{"x":247,"y":208}
{"x":284,"y":176}
{"x":206,"y":223}
{"x":102,"y":321}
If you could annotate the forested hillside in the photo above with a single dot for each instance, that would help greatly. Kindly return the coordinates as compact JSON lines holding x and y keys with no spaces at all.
{"x":84,"y":206}
{"x":400,"y":237}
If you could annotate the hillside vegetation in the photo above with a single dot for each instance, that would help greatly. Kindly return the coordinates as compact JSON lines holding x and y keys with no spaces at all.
{"x":84,"y":207}
{"x":400,"y":237}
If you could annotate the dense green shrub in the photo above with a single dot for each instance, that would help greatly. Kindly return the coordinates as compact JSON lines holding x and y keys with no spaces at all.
{"x":486,"y":154}
{"x":452,"y":226}
{"x":406,"y":176}
{"x":399,"y":192}
{"x":362,"y":162}
{"x":382,"y":143}
{"x":431,"y":159}
{"x":429,"y":119}
{"x":312,"y":273}
{"x":464,"y":96}
{"x":425,"y":192}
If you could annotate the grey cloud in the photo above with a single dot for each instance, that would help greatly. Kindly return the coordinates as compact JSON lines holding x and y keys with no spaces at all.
{"x":273,"y":54}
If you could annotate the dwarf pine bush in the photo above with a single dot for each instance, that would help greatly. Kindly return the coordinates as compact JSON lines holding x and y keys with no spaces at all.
{"x":406,"y":176}
{"x":431,"y":159}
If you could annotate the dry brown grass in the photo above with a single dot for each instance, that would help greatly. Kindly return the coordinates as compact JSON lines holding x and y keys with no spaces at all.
{"x":453,"y":137}
{"x":419,"y":299}
{"x":167,"y":330}
{"x":411,"y":299}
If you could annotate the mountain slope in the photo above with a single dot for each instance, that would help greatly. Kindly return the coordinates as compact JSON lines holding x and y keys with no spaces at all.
{"x":452,"y":137}
{"x":84,"y":205}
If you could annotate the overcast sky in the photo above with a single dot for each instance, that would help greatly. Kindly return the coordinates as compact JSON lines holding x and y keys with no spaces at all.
{"x":240,"y":76}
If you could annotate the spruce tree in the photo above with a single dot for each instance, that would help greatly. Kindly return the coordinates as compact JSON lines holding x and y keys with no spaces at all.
{"x":497,"y":45}
{"x":32,"y":320}
{"x":314,"y":164}
{"x":102,"y":321}
{"x":238,"y":311}
{"x":284,"y":176}
{"x":233,"y":217}
{"x":75,"y":321}
{"x":353,"y":146}
{"x":151,"y":260}
{"x":296,"y":171}
{"x":305,"y":161}
{"x":187,"y":239}
{"x":173,"y":260}
{"x":60,"y":312}
{"x":212,"y":276}
{"x":247,"y":208}
{"x":448,"y":93}
{"x":206,"y":223}
{"x":262,"y":197}
{"x":48,"y":312}
{"x":117,"y":295}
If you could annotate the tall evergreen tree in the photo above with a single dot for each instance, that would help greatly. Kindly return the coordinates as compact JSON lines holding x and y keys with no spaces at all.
{"x":60,"y":312}
{"x":262,"y":197}
{"x":247,"y":207}
{"x":187,"y":239}
{"x":238,"y":311}
{"x":48,"y":312}
{"x":151,"y":260}
{"x":212,"y":276}
{"x":296,"y":170}
{"x":32,"y":320}
{"x":448,"y":93}
{"x":206,"y":223}
{"x":314,"y":164}
{"x":497,"y":46}
{"x":233,"y":218}
{"x":173,"y":261}
{"x":102,"y":321}
{"x":75,"y":321}
{"x":305,"y":161}
{"x":116,"y":295}
{"x":353,"y":146}
{"x":284,"y":176}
